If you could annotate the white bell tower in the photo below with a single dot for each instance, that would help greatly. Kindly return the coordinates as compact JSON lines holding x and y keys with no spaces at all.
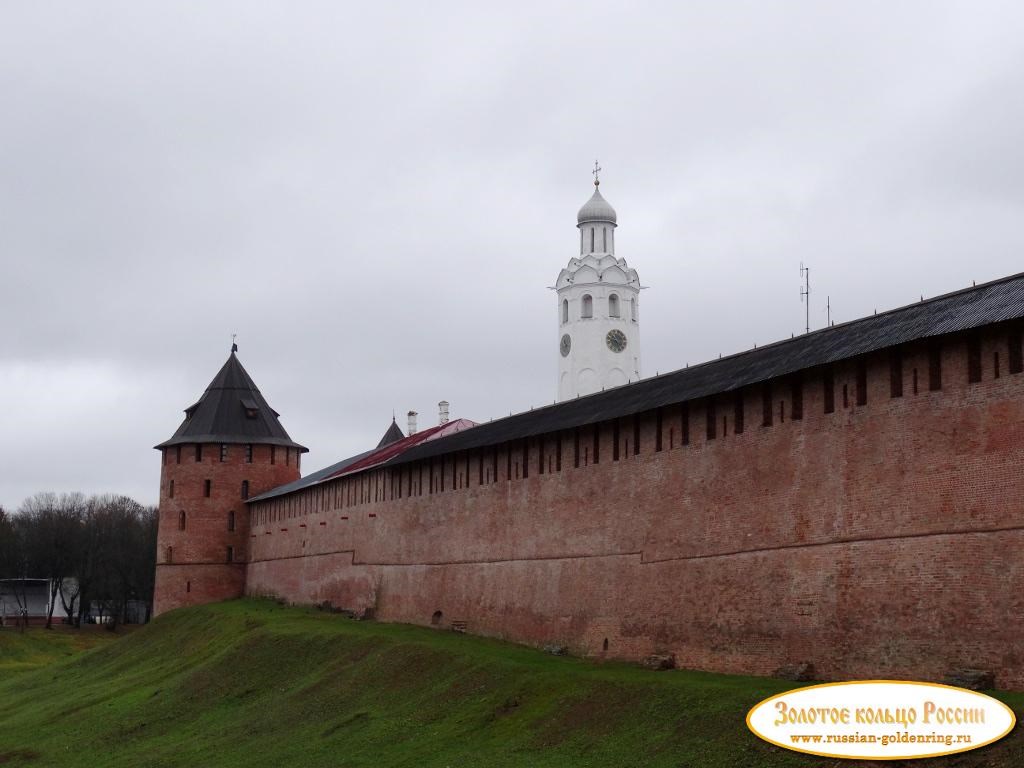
{"x":598,"y":308}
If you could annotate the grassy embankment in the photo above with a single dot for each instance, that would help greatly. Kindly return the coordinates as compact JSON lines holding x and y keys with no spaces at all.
{"x":38,"y":647}
{"x":250,"y":683}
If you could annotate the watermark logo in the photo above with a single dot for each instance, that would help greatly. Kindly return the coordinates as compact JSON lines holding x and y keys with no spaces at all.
{"x":881,"y":720}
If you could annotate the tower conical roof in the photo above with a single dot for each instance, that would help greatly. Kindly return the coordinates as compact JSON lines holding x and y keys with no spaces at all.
{"x":393,"y":435}
{"x":231,"y":410}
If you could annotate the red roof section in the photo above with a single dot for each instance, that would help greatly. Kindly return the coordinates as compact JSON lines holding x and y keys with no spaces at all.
{"x":398,"y":447}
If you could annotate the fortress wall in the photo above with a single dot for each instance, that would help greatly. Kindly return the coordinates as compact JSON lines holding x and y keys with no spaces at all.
{"x":879,"y":540}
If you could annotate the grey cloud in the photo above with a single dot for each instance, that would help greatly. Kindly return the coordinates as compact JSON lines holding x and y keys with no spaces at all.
{"x":375,"y":198}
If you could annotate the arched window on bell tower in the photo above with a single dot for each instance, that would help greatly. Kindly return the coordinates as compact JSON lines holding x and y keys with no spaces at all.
{"x":565,"y":310}
{"x":613,"y":306}
{"x":587,"y":309}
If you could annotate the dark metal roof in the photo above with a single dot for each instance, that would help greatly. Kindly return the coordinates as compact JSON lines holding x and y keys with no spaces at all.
{"x":313,"y":478}
{"x":231,"y":410}
{"x":368,"y":459}
{"x":974,"y":307}
{"x":393,"y":435}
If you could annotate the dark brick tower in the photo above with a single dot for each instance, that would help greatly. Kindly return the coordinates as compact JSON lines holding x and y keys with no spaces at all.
{"x":230,"y":447}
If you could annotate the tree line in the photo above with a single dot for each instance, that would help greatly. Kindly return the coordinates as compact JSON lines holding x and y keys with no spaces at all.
{"x":98,"y":552}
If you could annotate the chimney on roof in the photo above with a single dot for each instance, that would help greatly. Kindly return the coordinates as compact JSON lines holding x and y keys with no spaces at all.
{"x":412,"y":423}
{"x":442,"y":412}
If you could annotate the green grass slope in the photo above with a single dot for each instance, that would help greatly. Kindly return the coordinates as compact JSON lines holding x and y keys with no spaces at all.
{"x":38,"y":647}
{"x":250,"y":683}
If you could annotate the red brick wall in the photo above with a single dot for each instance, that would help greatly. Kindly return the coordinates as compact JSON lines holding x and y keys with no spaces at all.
{"x":192,"y":565}
{"x":881,"y":540}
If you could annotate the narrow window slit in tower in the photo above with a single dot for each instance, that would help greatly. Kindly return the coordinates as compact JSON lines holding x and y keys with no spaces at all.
{"x":796,"y":398}
{"x":207,"y":487}
{"x":862,"y":382}
{"x":846,"y":396}
{"x":934,"y":367}
{"x":1015,"y":358}
{"x":896,"y":373}
{"x":199,"y":453}
{"x":974,"y":359}
{"x":995,"y":365}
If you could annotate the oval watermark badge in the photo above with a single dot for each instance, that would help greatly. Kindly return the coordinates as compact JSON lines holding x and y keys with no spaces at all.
{"x":880,"y":720}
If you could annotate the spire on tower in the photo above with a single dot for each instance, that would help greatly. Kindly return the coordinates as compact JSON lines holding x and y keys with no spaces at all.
{"x":596,"y":171}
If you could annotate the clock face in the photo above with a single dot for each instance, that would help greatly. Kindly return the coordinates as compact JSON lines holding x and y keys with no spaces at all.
{"x":565,"y":345}
{"x":616,"y":340}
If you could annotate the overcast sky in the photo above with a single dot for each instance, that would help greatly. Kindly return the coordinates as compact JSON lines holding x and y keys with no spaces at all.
{"x":375,"y":197}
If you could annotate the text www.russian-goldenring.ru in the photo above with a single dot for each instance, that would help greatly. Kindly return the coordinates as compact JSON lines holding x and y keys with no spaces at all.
{"x":885,"y":740}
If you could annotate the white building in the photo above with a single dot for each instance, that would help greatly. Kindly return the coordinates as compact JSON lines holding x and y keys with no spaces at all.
{"x":598,"y":309}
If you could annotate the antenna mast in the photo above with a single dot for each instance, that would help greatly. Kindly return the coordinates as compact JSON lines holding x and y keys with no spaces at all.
{"x":805,"y":291}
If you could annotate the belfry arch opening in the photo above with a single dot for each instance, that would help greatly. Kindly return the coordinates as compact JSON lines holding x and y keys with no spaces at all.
{"x":587,"y":308}
{"x":613,"y":305}
{"x":565,"y":310}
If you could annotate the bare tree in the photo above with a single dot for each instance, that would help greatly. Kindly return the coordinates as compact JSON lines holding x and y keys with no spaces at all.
{"x":99,"y":551}
{"x":14,"y":562}
{"x":121,"y":555}
{"x":53,"y":526}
